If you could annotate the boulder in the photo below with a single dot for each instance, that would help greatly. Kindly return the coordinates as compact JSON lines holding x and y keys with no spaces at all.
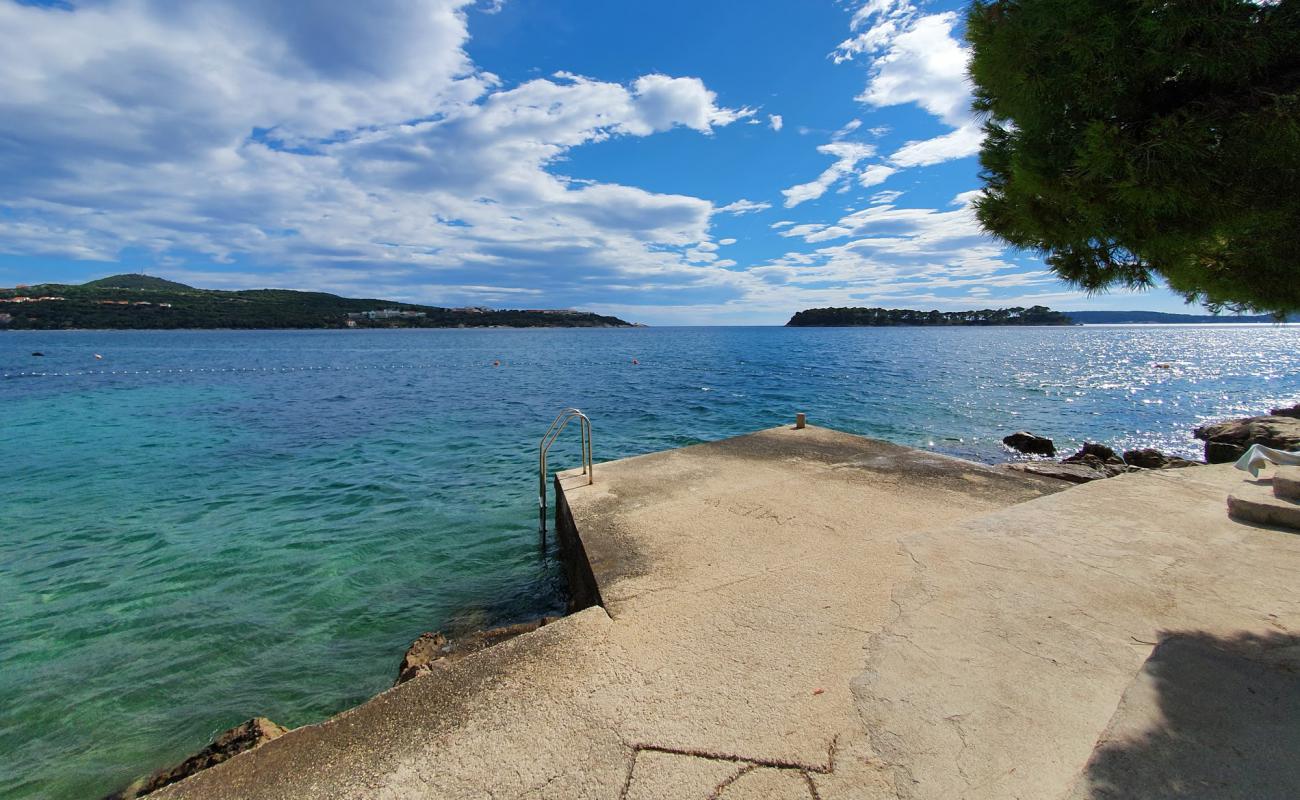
{"x":1223,"y":452}
{"x":1094,"y":450}
{"x":1293,"y":411}
{"x":1026,"y":442}
{"x":253,"y":733}
{"x":1150,"y":458}
{"x":1227,"y":441}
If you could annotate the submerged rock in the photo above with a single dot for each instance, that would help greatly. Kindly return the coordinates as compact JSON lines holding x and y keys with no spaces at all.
{"x":1033,"y":444}
{"x":253,"y":733}
{"x":1227,"y":441}
{"x":433,"y":650}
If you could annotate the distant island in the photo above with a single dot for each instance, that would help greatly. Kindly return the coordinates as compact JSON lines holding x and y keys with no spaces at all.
{"x":888,"y":317}
{"x":144,"y":302}
{"x":1034,"y":315}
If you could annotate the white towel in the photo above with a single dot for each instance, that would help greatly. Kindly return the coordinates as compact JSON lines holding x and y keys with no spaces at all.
{"x":1258,"y":455}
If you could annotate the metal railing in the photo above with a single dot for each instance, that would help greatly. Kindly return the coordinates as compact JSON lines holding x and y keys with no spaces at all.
{"x":552,"y":433}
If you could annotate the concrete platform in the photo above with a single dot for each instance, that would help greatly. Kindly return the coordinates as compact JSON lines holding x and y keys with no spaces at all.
{"x":809,"y":614}
{"x":1286,"y":483}
{"x":1261,"y":502}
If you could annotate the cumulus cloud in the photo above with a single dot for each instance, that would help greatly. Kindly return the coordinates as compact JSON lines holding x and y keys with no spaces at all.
{"x":775,"y":122}
{"x":338,"y":140}
{"x":922,"y":63}
{"x":916,"y":59}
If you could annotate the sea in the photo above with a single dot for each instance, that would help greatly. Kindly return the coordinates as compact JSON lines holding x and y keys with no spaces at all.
{"x":197,"y":527}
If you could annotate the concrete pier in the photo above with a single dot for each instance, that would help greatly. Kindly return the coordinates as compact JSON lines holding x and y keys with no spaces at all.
{"x":809,"y":614}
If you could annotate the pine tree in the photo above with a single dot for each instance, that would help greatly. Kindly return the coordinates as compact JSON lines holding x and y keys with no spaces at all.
{"x":1135,"y":140}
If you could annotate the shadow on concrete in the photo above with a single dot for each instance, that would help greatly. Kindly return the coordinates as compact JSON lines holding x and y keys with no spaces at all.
{"x":1207,"y":717}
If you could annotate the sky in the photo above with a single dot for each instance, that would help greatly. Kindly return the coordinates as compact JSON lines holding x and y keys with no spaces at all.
{"x":670,"y":162}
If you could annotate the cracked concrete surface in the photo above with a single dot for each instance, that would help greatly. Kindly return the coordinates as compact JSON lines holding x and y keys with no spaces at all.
{"x":810,"y":614}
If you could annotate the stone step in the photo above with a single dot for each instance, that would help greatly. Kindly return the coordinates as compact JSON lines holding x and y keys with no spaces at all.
{"x":1286,"y":483}
{"x":1255,"y":502}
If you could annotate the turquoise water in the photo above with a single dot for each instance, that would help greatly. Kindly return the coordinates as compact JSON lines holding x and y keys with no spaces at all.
{"x":207,"y":526}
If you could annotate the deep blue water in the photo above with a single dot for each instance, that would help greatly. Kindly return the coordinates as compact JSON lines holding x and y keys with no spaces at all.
{"x":207,"y":526}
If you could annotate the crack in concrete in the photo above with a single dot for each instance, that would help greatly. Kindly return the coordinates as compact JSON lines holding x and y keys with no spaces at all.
{"x":748,"y":764}
{"x":726,"y":782}
{"x":812,"y":786}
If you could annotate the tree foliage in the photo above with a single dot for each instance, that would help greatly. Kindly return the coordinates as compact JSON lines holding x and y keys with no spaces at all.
{"x":1130,"y":140}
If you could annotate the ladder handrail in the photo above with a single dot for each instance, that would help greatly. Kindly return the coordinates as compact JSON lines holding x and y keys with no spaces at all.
{"x":557,"y":427}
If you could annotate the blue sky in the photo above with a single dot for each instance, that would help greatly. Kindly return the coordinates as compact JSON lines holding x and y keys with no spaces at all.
{"x":669,"y":162}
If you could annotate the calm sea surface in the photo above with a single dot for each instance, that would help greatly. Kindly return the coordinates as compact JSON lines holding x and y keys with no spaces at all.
{"x":206,"y":526}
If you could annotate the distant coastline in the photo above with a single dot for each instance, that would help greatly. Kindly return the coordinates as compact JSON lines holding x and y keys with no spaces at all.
{"x":906,"y":317}
{"x":1016,"y":315}
{"x":144,"y":302}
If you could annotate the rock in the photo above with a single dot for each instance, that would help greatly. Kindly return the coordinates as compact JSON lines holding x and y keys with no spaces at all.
{"x":1072,"y":472}
{"x":1223,"y":452}
{"x":1226,"y":441}
{"x":1098,"y":451}
{"x":431,"y":651}
{"x":1293,"y":411}
{"x":1150,"y":458}
{"x":253,"y":733}
{"x":1026,"y":442}
{"x":426,"y":649}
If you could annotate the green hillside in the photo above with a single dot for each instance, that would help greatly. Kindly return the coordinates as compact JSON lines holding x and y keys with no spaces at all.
{"x":145,"y":302}
{"x":136,"y":280}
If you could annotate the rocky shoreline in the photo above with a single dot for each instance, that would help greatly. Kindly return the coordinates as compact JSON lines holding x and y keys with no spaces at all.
{"x":429,"y":652}
{"x":1225,"y":442}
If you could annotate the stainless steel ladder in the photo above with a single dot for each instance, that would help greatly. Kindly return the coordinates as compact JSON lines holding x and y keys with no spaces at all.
{"x":552,"y":433}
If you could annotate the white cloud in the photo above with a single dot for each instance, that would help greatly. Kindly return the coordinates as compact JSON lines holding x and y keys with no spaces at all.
{"x":965,"y":141}
{"x":743,"y":206}
{"x":775,"y":121}
{"x":885,"y":255}
{"x":847,"y":155}
{"x":916,"y":59}
{"x":340,"y":141}
{"x":875,"y":174}
{"x":849,"y":127}
{"x":925,"y":64}
{"x":663,"y":102}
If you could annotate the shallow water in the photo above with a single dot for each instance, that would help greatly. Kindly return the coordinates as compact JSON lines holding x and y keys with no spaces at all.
{"x":209,"y":525}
